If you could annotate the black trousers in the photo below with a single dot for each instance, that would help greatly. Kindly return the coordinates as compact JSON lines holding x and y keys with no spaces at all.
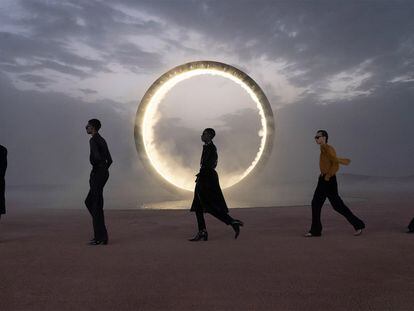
{"x":94,"y":202}
{"x":2,"y":198}
{"x":411,"y":225}
{"x":224,"y":217}
{"x":329,"y":189}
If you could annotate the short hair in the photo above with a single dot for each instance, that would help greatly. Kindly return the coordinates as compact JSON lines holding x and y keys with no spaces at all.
{"x":211,"y":132}
{"x":324,"y":134}
{"x":95,"y":123}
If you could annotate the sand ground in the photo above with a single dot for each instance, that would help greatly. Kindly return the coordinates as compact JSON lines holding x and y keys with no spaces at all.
{"x":45,"y":263}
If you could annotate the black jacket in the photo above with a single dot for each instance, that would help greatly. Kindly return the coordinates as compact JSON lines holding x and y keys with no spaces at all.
{"x":207,"y":194}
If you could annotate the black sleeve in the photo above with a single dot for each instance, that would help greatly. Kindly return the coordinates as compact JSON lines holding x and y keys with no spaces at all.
{"x":106,"y":154}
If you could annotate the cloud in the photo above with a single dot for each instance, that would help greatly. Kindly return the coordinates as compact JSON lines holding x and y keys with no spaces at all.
{"x":75,"y":40}
{"x":343,"y":86}
{"x":319,"y":39}
{"x":402,"y":79}
{"x":88,"y":91}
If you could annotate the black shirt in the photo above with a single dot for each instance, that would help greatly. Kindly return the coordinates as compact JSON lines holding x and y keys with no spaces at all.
{"x":100,"y":156}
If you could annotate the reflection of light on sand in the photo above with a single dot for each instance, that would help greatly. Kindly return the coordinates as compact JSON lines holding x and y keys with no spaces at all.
{"x":186,"y":204}
{"x":181,"y":177}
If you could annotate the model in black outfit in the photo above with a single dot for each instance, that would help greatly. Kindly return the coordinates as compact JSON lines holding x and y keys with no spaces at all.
{"x":101,"y":160}
{"x":208,"y":196}
{"x":411,"y":227}
{"x":3,"y":167}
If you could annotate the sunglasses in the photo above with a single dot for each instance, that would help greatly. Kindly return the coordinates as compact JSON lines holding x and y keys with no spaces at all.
{"x":317,"y":137}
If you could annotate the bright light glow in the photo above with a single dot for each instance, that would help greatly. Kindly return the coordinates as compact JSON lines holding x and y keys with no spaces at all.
{"x":151,"y":116}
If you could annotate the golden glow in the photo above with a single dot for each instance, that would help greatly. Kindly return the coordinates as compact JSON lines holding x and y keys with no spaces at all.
{"x":171,"y":174}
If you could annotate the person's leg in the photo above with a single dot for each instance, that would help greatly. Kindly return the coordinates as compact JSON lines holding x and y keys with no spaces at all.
{"x":224,"y":217}
{"x":100,"y":217}
{"x":94,"y":203}
{"x":2,"y":198}
{"x":228,"y":220}
{"x":100,"y":220}
{"x":411,"y":225}
{"x":340,"y":207}
{"x":318,"y":199}
{"x":202,"y":234}
{"x":89,"y":202}
{"x":200,"y":220}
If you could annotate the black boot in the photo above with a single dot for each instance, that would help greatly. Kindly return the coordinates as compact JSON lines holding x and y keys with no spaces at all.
{"x":236,"y":224}
{"x":201,"y":235}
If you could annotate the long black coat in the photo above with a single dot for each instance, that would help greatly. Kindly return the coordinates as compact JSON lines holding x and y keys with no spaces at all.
{"x":207,"y":194}
{"x":3,"y":167}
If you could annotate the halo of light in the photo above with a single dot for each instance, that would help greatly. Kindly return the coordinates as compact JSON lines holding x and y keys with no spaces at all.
{"x":147,"y":117}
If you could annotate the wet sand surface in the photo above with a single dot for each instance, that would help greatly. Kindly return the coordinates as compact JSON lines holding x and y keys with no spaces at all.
{"x":46,"y":264}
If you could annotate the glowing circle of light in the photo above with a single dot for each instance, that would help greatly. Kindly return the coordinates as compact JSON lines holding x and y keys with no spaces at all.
{"x":147,"y":116}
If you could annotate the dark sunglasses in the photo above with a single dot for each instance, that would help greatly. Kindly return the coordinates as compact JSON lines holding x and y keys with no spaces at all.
{"x":88,"y":126}
{"x":317,"y":137}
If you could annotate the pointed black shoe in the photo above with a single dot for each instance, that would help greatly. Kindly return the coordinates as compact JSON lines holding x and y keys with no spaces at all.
{"x":201,"y":235}
{"x":236,"y":224}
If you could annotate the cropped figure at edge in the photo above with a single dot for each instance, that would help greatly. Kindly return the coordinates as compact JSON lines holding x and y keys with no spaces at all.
{"x":411,"y":226}
{"x":328,"y":188}
{"x":208,"y":197}
{"x":3,"y":167}
{"x":101,"y":160}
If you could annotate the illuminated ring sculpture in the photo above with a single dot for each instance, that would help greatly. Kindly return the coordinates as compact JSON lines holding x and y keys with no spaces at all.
{"x":146,"y":118}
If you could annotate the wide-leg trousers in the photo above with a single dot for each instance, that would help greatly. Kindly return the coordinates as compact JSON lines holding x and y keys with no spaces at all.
{"x":329,"y":189}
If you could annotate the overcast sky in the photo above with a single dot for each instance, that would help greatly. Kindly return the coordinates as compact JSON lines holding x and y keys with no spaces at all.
{"x":345,"y":66}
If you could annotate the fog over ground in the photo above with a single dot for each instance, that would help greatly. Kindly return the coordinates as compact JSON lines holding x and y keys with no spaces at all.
{"x":343,"y":67}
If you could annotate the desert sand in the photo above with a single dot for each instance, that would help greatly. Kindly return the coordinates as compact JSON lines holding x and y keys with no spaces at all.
{"x":46,"y":263}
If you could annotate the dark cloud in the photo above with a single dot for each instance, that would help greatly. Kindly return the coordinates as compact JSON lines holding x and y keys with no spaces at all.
{"x":135,"y":59}
{"x":319,"y":37}
{"x":88,"y":91}
{"x":51,"y":29}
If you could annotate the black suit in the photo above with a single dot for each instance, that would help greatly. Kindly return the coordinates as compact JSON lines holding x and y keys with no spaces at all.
{"x":208,"y":196}
{"x":101,"y":160}
{"x":3,"y":167}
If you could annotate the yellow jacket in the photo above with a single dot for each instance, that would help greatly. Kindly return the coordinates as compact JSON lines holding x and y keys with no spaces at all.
{"x":329,"y":162}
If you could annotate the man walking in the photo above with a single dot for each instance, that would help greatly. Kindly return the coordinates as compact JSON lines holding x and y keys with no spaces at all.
{"x":101,"y":160}
{"x":328,"y":188}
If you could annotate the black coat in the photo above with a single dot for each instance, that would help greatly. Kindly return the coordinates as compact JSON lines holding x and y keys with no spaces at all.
{"x":207,"y":194}
{"x":3,"y":167}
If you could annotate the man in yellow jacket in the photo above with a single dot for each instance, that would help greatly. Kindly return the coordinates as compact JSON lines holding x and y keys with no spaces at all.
{"x":328,"y":188}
